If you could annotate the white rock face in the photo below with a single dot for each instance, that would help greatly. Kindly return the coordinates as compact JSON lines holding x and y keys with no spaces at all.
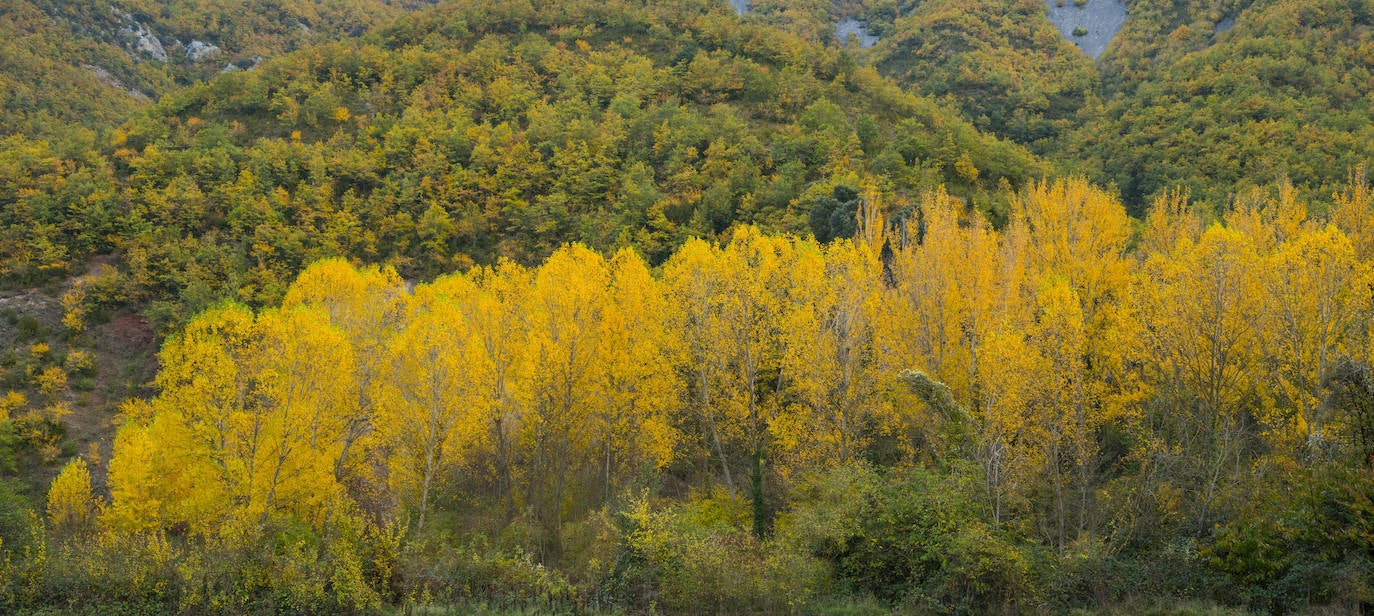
{"x":199,"y":49}
{"x":141,"y":38}
{"x":1225,"y":24}
{"x":1091,"y":25}
{"x":859,"y":30}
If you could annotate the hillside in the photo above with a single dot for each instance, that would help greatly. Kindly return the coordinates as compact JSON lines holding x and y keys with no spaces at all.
{"x":467,"y":134}
{"x":1001,"y":62}
{"x":630,"y":307}
{"x":1215,"y":97}
{"x":457,"y":137}
{"x":1282,"y":92}
{"x":69,"y":65}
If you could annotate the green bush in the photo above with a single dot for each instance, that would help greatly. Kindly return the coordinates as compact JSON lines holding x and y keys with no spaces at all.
{"x":438,"y":573}
{"x":912,"y":537}
{"x":695,"y":563}
{"x":284,"y":567}
{"x":1303,"y":538}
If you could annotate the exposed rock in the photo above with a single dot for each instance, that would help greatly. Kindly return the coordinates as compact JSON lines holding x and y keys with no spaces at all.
{"x":242,"y":65}
{"x":139,"y":37}
{"x":1090,"y":25}
{"x":104,"y":76}
{"x":197,"y":50}
{"x":858,"y":29}
{"x":1225,"y":24}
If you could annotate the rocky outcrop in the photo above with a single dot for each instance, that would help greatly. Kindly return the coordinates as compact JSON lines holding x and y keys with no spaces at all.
{"x":197,"y":50}
{"x":1090,"y":24}
{"x":140,"y":39}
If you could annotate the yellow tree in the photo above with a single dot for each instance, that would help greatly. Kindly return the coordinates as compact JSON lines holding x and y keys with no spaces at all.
{"x":565,"y":307}
{"x":70,"y":504}
{"x":496,"y":310}
{"x":638,"y":372}
{"x":291,"y":436}
{"x":1171,"y":221}
{"x":250,"y":423}
{"x":366,"y":306}
{"x":1317,"y":294}
{"x":1076,"y":231}
{"x":174,"y":462}
{"x":163,"y":474}
{"x":1014,"y":439}
{"x":428,"y":411}
{"x":958,"y":297}
{"x":1076,"y":241}
{"x":926,"y":311}
{"x":1059,"y":334}
{"x":760,"y":280}
{"x":136,"y":502}
{"x":733,"y":300}
{"x":797,"y":428}
{"x":950,"y":289}
{"x":1200,"y":308}
{"x":698,"y":287}
{"x":1268,"y":220}
{"x":830,"y":355}
{"x":1353,"y":213}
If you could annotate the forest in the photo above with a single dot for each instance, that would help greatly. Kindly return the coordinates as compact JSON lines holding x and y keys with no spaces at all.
{"x":616,"y":307}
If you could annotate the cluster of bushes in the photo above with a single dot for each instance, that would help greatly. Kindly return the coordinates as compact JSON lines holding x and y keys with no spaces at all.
{"x":855,"y":537}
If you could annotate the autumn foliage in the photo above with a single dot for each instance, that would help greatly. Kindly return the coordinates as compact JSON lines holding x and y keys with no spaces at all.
{"x":1034,"y":404}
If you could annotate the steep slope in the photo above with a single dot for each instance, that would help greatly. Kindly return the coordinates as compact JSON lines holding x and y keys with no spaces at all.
{"x":479,"y":131}
{"x":1196,"y":103}
{"x":1213,"y":96}
{"x":89,"y":63}
{"x":1000,"y":61}
{"x":53,"y":80}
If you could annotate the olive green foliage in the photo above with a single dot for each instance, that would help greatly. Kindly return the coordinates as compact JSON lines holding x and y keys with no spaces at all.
{"x":1005,"y":66}
{"x":1352,"y":384}
{"x":699,"y":556}
{"x":835,"y":215}
{"x":912,"y":537}
{"x":1282,"y":94}
{"x":69,"y":68}
{"x":15,"y":506}
{"x":275,"y":568}
{"x":1299,"y":536}
{"x":466,"y":134}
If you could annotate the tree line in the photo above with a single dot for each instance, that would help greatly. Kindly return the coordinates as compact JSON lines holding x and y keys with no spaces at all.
{"x":1073,"y":391}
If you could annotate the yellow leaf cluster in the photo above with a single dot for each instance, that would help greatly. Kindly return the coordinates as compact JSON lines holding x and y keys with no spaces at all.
{"x":70,"y":505}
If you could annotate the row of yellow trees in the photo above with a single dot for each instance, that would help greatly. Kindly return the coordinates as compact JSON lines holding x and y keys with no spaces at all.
{"x":544,"y":391}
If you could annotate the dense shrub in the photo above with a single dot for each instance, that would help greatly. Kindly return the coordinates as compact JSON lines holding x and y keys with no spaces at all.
{"x":697,"y":561}
{"x":912,"y":537}
{"x":1304,"y":537}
